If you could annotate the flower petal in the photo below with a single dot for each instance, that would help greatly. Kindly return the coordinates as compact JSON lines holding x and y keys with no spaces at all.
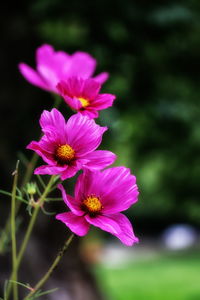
{"x":77,"y":225}
{"x":72,"y":203}
{"x":126,"y":235}
{"x":50,"y":76}
{"x":83,"y":134}
{"x":70,"y":171}
{"x":118,"y":189}
{"x":115,"y":186}
{"x":59,"y":61}
{"x":99,"y":159}
{"x":50,"y":170}
{"x":46,"y":156}
{"x":52,"y":118}
{"x":90,"y":89}
{"x":103,"y":101}
{"x":105,"y":223}
{"x":90,"y":113}
{"x":82,"y":64}
{"x":53,"y":125}
{"x":102,"y":77}
{"x":32,"y":76}
{"x":52,"y":65}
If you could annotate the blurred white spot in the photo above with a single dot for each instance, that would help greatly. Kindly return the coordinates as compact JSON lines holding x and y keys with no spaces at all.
{"x":180,"y":236}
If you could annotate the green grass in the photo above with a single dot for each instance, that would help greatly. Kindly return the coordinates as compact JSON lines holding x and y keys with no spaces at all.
{"x":167,"y":277}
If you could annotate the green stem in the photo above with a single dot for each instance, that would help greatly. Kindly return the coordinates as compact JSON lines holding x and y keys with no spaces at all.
{"x":51,"y":269}
{"x":30,"y":228}
{"x":13,"y":232}
{"x":26,"y":179}
{"x":57,"y":100}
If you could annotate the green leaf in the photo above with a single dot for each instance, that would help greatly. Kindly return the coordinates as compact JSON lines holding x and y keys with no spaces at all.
{"x":39,"y":293}
{"x":41,"y":181}
{"x":17,"y":197}
{"x":27,"y":286}
{"x":47,"y":213}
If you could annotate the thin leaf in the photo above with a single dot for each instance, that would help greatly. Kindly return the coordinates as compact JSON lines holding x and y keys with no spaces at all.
{"x":29,"y":209}
{"x":5,"y":289}
{"x":38,"y":190}
{"x":41,"y":181}
{"x":23,"y":159}
{"x":27,"y":286}
{"x":54,"y":199}
{"x":17,"y":197}
{"x":39,"y":293}
{"x":47,"y":213}
{"x":19,"y":192}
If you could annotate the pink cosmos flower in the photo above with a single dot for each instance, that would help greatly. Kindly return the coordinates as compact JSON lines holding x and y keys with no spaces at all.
{"x":100,"y":197}
{"x":69,"y":146}
{"x":53,"y":66}
{"x":83,"y":95}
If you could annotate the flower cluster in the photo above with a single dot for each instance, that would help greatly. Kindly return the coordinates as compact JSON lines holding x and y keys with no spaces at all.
{"x":100,"y":194}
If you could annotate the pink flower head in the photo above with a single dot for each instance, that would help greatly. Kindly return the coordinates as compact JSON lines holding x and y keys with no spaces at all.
{"x":100,"y":196}
{"x":69,"y":146}
{"x":83,"y":95}
{"x":53,"y":66}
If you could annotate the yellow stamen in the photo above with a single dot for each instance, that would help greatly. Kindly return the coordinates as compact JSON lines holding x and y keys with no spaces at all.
{"x":64,"y":154}
{"x":92,"y":204}
{"x":84,"y":102}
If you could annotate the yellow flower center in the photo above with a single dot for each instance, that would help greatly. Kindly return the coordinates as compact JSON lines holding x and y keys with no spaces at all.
{"x":92,"y":204}
{"x":64,"y":154}
{"x":84,"y":102}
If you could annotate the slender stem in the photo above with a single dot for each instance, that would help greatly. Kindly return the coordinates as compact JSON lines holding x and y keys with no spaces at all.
{"x":26,"y":179}
{"x":30,"y":168}
{"x":51,"y":269}
{"x":57,"y":100}
{"x":13,"y":232}
{"x":30,"y":228}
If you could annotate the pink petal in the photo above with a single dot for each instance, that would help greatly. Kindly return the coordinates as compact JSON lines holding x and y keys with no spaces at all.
{"x":52,"y":118}
{"x":53,"y":125}
{"x":83,"y":184}
{"x":53,"y":65}
{"x":103,"y":101}
{"x":118,"y":189}
{"x":70,"y":171}
{"x":126,"y":236}
{"x":57,"y":60}
{"x":82,"y":64}
{"x":46,"y":156}
{"x":32,"y":76}
{"x":49,"y":76}
{"x":74,"y":103}
{"x":77,"y":225}
{"x":99,"y":159}
{"x":105,"y":223}
{"x":50,"y":170}
{"x":44,"y":54}
{"x":70,"y":90}
{"x":72,"y":203}
{"x":102,"y":77}
{"x":47,"y":145}
{"x":72,"y":87}
{"x":90,"y":113}
{"x":90,"y":89}
{"x":83,"y":134}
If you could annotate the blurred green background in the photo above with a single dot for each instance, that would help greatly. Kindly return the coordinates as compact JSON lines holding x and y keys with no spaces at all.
{"x":152,"y":51}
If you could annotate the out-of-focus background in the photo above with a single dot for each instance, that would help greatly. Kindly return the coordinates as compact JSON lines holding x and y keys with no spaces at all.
{"x":152,"y":51}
